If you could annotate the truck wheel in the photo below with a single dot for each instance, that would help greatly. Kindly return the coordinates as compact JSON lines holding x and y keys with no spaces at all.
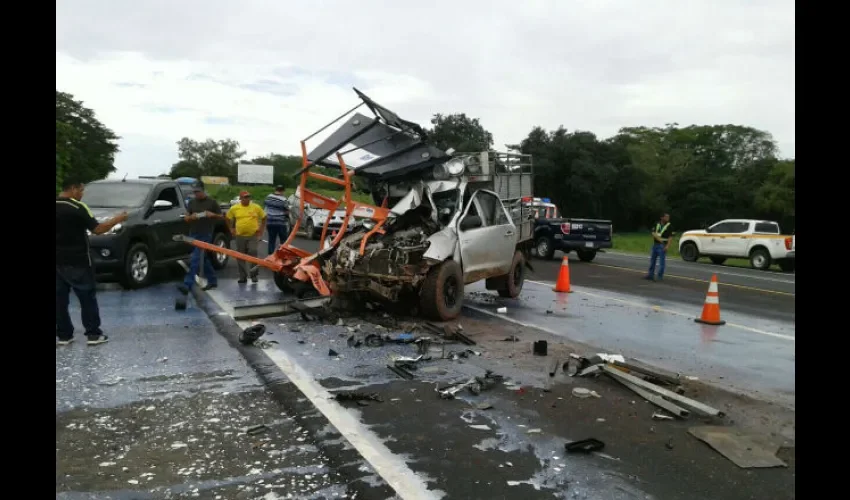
{"x":689,"y":252}
{"x":219,"y":260}
{"x":545,"y":247}
{"x":137,"y":267}
{"x":718,"y":260}
{"x":760,"y":259}
{"x":787,"y":265}
{"x":310,"y":229}
{"x":515,"y":278}
{"x":586,"y":255}
{"x":441,"y":297}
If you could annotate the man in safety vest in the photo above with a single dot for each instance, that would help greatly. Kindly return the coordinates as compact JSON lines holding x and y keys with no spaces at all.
{"x":662,"y":235}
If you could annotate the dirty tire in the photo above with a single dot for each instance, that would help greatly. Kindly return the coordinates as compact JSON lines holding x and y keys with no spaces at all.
{"x":760,"y":259}
{"x":545,"y":247}
{"x":515,"y":278}
{"x":219,"y":260}
{"x":689,"y":252}
{"x":138,"y":267}
{"x":441,"y":297}
{"x":787,"y":265}
{"x":586,"y":255}
{"x":717,"y":260}
{"x":310,"y":229}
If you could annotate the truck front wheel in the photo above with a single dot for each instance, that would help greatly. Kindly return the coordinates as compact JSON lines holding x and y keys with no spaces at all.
{"x":515,"y":278}
{"x":689,"y":252}
{"x":441,"y":296}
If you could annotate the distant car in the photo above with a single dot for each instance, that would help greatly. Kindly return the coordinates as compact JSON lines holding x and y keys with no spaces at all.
{"x":759,"y":241}
{"x":313,"y":219}
{"x":553,"y":232}
{"x":131,"y":249}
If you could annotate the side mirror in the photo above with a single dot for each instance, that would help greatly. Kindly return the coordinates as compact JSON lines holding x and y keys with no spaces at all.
{"x":470,"y":222}
{"x":162,"y":205}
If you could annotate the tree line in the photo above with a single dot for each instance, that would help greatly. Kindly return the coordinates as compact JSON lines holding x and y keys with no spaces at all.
{"x":697,"y":173}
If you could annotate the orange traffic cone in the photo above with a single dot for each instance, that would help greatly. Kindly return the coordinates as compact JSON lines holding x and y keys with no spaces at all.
{"x":563,"y":283}
{"x":711,"y":309}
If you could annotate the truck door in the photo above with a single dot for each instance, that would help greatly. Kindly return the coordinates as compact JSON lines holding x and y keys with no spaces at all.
{"x":165,"y":223}
{"x":486,"y":250}
{"x":734,"y":240}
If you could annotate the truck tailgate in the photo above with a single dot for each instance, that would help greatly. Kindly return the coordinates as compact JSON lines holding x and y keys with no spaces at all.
{"x":587,"y":229}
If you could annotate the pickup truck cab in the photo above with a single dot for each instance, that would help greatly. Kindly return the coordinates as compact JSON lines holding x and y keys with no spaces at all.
{"x":757,"y":240}
{"x":553,"y":232}
{"x":156,"y":208}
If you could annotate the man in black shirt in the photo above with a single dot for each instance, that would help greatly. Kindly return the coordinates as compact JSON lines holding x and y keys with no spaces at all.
{"x":200,"y":213}
{"x":662,"y":235}
{"x":74,"y":270}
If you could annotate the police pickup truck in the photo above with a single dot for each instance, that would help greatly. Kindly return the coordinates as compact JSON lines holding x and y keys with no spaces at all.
{"x":553,"y":232}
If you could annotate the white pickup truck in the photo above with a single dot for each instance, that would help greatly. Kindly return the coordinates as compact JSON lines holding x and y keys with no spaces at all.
{"x":757,"y":240}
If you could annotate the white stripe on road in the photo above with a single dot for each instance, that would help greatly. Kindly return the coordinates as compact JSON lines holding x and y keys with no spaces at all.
{"x":655,"y":308}
{"x":724,"y":269}
{"x":393,"y":469}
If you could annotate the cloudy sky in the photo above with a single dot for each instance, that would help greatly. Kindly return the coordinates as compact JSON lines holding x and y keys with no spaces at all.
{"x":269,"y":72}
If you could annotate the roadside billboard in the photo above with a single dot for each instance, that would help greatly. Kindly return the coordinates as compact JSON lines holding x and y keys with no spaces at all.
{"x":249,"y":173}
{"x":210,"y":180}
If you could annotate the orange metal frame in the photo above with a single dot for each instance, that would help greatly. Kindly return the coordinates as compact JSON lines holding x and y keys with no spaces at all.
{"x":287,"y":259}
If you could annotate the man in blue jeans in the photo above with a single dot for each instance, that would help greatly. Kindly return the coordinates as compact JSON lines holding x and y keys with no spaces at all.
{"x":201,"y":212}
{"x":662,"y":235}
{"x":74,"y":269}
{"x":277,"y":218}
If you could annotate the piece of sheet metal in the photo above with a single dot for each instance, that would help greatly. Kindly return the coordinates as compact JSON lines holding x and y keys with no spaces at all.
{"x":744,"y":450}
{"x":682,"y":400}
{"x":257,"y":311}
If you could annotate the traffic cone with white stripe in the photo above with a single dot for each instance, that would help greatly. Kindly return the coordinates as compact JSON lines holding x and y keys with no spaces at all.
{"x":711,"y":308}
{"x":563,"y":283}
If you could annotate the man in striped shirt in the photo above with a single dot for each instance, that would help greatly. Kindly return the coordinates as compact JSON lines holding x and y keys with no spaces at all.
{"x":277,"y":218}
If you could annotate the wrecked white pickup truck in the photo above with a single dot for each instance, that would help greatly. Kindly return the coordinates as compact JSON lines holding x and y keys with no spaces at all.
{"x":440,"y":220}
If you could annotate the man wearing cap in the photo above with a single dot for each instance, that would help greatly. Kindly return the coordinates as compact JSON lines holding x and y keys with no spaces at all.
{"x":247,"y":224}
{"x":277,"y":212}
{"x":201,"y":212}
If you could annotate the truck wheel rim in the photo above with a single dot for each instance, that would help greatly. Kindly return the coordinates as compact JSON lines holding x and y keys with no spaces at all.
{"x":758,"y":260}
{"x":220,"y":257}
{"x":450,"y":291}
{"x":139,"y":266}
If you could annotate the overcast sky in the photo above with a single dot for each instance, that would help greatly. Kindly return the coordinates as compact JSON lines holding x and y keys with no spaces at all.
{"x":269,"y":72}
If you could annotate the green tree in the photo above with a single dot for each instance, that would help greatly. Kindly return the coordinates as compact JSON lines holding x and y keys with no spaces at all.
{"x":85,"y":148}
{"x":210,"y":157}
{"x":460,"y":132}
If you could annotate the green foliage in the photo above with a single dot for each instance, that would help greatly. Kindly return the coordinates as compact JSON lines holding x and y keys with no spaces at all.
{"x":210,"y":157}
{"x":460,"y":132}
{"x":699,"y":174}
{"x":85,"y":148}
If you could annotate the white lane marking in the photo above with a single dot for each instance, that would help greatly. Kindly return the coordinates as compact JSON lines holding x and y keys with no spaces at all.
{"x":406,"y":483}
{"x":664,"y":309}
{"x":696,"y":267}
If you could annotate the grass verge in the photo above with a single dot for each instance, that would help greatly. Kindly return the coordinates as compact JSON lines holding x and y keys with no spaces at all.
{"x":641,"y":243}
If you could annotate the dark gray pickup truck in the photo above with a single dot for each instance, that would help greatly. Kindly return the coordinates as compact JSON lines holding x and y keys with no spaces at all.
{"x":156,"y":208}
{"x":553,"y":232}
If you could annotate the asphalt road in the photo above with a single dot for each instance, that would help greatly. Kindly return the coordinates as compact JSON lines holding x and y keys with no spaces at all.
{"x":761,"y":294}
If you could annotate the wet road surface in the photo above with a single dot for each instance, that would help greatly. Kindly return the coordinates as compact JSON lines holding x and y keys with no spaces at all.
{"x":748,"y":354}
{"x":160,"y":411}
{"x":512,"y":446}
{"x":763,"y":294}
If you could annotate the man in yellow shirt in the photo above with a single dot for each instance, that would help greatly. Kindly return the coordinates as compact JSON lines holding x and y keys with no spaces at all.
{"x":247,"y":225}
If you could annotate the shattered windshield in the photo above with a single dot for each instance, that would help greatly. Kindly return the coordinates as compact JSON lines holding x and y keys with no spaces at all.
{"x":446,"y":203}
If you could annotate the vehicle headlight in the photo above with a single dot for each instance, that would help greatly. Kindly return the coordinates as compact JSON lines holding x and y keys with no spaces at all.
{"x":440,"y":173}
{"x":455,"y":166}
